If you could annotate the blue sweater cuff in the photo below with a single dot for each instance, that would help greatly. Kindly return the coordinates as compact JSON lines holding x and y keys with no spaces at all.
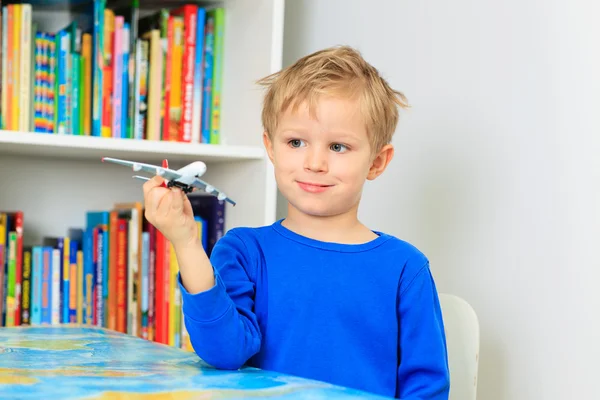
{"x":206,"y":306}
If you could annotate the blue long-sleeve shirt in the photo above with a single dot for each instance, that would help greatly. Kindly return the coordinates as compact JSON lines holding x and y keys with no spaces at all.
{"x":364,"y":316}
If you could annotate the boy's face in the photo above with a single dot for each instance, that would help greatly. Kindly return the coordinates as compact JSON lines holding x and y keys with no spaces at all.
{"x":321,"y":163}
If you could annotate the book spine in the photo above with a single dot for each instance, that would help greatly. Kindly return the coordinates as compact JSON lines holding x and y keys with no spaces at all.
{"x":62,"y":122}
{"x":14,"y":35}
{"x":97,"y":67}
{"x":3,"y":258}
{"x":88,"y":277}
{"x":74,"y":281}
{"x":166,"y":108}
{"x":25,"y":68}
{"x":121,"y":323}
{"x":141,"y":84}
{"x":46,"y":285}
{"x":5,"y":56}
{"x":215,"y":125}
{"x":125,"y":131}
{"x":132,"y":244}
{"x":66,"y":275}
{"x":144,"y":292}
{"x":117,"y":75}
{"x":175,"y":95}
{"x":36,"y":292}
{"x":18,"y":265}
{"x":198,"y":75}
{"x":26,"y":285}
{"x":11,"y":280}
{"x":109,"y":65}
{"x":86,"y":56}
{"x":75,"y":94}
{"x":99,"y":248}
{"x":112,"y":271}
{"x":189,"y":64}
{"x":208,"y":75}
{"x":80,"y":285}
{"x":55,"y":282}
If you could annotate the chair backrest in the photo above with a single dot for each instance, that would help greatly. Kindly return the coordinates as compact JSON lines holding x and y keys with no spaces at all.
{"x":462,"y":339}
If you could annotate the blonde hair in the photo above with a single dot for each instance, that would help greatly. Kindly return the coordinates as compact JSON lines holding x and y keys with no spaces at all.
{"x":338,"y":71}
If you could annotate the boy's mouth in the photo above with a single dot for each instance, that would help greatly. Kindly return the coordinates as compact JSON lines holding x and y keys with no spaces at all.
{"x":313,"y":187}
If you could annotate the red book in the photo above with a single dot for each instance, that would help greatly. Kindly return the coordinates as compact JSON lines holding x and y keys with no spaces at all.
{"x":189,"y":12}
{"x":111,"y":308}
{"x":18,"y":227}
{"x":121,"y":278}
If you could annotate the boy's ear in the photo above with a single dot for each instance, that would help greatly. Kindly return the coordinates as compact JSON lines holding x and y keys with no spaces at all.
{"x":268,"y":145}
{"x":381,"y":161}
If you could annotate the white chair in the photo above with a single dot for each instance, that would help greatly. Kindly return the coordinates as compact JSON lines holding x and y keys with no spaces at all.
{"x":462,"y":339}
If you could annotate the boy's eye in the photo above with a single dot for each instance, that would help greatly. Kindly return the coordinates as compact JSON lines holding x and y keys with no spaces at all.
{"x":338,"y":147}
{"x":295,"y":143}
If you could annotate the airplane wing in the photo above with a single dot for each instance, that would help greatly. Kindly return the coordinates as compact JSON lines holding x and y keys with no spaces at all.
{"x":200,"y":184}
{"x":166,"y":173}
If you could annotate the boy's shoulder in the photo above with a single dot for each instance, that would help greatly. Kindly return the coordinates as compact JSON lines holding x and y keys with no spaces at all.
{"x":385,"y":247}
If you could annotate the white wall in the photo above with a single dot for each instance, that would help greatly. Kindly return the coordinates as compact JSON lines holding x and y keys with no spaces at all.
{"x":497,"y":171}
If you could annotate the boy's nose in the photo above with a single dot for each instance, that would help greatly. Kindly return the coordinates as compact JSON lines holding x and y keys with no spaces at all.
{"x":315,"y":161}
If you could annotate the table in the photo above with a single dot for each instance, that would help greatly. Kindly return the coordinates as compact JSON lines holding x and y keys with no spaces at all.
{"x":72,"y":362}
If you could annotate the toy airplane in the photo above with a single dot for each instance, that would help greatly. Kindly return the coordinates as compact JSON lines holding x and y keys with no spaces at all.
{"x":186,"y":178}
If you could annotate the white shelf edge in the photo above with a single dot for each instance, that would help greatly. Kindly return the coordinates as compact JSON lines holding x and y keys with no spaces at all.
{"x":91,"y":148}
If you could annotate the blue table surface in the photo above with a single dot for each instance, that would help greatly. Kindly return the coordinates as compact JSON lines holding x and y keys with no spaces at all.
{"x":74,"y":362}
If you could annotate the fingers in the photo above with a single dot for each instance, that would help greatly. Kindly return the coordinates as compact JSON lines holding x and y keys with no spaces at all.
{"x":153,"y":194}
{"x":152,"y":183}
{"x":176,"y":206}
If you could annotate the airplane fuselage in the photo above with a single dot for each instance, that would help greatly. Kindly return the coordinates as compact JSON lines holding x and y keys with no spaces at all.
{"x":190,"y":172}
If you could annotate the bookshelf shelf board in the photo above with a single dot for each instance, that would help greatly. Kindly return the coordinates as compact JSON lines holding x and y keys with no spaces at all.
{"x":90,"y":148}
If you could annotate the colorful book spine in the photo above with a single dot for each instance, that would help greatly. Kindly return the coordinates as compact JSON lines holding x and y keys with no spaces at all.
{"x":36,"y":291}
{"x":46,"y":285}
{"x":11,"y":302}
{"x":98,"y":66}
{"x":144,"y":292}
{"x":117,"y":75}
{"x":25,"y":48}
{"x":5,"y":89}
{"x":208,"y":77}
{"x":66,"y":279}
{"x":55,"y":282}
{"x":198,"y":75}
{"x":125,"y":80}
{"x":87,"y":94}
{"x":74,"y":281}
{"x":215,"y":125}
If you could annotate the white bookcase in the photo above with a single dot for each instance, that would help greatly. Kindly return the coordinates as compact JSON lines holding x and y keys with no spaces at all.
{"x":55,"y":179}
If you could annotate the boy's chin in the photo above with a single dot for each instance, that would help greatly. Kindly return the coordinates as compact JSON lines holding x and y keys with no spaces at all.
{"x":320,"y":210}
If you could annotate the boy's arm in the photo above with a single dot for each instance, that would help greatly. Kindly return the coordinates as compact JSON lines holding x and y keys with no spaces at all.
{"x":221,"y":324}
{"x":423,"y":366}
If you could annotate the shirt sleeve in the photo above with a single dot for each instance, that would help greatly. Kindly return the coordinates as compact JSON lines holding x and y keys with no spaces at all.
{"x":222,"y":327}
{"x":423,"y":372}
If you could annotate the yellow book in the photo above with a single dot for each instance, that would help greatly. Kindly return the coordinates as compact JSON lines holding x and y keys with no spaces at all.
{"x":175,"y":105}
{"x":25,"y":68}
{"x":155,"y":84}
{"x":16,"y":39}
{"x":80,"y":286}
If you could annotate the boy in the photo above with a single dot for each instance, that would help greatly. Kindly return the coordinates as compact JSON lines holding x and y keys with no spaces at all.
{"x":317,"y":294}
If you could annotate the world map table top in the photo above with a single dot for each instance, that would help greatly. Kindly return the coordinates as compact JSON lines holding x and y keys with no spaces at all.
{"x":74,"y":362}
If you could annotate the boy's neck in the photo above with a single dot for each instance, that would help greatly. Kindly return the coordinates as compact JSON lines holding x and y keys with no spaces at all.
{"x":344,"y":228}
